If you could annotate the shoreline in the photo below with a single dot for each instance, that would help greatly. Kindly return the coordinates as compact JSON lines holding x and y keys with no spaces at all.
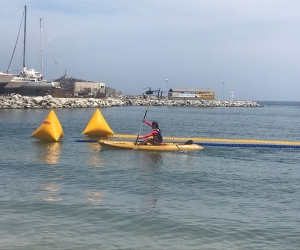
{"x":48,"y":102}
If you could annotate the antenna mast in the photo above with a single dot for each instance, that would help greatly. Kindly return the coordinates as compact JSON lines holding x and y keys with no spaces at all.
{"x":42,"y":66}
{"x":24,"y":39}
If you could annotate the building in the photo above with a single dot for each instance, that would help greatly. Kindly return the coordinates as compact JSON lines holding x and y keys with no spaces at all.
{"x":191,"y":94}
{"x":93,"y":89}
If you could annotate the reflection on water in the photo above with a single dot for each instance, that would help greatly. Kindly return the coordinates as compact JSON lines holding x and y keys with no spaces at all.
{"x":151,"y":160}
{"x":94,"y":157}
{"x":48,"y":152}
{"x":95,"y":196}
{"x":51,"y":190}
{"x":150,"y":205}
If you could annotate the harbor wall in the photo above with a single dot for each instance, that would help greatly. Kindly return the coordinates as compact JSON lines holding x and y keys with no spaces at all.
{"x":26,"y":102}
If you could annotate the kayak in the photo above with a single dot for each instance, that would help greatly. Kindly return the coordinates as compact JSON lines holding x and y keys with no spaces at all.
{"x":170,"y":146}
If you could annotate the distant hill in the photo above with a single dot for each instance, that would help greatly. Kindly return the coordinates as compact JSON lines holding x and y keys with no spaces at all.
{"x":67,"y":83}
{"x":112,"y":92}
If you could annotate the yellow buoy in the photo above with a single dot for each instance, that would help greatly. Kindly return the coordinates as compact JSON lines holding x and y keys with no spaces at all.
{"x":50,"y":129}
{"x":97,"y":126}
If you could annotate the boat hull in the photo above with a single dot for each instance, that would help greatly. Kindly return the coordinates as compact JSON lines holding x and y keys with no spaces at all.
{"x":165,"y":147}
{"x":5,"y":78}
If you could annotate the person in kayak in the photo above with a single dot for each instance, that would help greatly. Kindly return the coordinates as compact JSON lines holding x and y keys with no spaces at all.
{"x":156,"y":139}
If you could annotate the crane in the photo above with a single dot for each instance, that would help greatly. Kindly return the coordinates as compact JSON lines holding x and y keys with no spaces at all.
{"x":150,"y":91}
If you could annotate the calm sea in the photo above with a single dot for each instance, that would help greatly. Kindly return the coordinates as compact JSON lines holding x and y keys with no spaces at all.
{"x":72,"y":195}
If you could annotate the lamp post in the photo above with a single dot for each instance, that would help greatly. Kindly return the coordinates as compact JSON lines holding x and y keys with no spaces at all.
{"x":223,"y":90}
{"x":167,"y":88}
{"x":231,"y":95}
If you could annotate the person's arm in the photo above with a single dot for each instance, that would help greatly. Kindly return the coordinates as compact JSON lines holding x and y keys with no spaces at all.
{"x":153,"y":133}
{"x":147,"y":122}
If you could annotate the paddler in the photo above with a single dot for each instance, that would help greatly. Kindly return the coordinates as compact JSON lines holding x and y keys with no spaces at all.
{"x":156,"y":139}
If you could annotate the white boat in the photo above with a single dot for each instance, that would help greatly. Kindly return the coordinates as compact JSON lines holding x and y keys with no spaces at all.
{"x":24,"y":77}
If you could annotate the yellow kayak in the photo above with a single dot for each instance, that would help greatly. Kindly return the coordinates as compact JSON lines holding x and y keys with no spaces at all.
{"x":188,"y":146}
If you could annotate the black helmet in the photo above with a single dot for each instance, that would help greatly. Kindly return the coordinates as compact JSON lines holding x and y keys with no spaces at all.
{"x":155,"y":124}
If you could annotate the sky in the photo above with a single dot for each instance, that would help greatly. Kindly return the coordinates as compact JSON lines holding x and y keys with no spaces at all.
{"x":250,"y":47}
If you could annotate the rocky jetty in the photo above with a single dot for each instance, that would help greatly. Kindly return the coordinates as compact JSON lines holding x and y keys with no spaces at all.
{"x":48,"y":102}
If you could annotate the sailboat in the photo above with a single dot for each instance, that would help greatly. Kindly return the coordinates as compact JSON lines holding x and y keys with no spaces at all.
{"x":28,"y":78}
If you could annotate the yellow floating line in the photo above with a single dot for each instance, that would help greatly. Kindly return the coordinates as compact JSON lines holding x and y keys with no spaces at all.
{"x":216,"y":140}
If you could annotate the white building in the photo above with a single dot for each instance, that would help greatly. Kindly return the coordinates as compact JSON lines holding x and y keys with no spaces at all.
{"x":89,"y":88}
{"x":191,"y":94}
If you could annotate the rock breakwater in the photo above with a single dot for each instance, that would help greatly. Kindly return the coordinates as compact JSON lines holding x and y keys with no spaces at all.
{"x":25,"y":102}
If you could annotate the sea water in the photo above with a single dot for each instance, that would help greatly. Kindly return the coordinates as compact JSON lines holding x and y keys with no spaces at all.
{"x":71,"y":195}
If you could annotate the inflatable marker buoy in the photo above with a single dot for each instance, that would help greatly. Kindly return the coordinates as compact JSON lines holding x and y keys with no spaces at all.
{"x":97,"y":126}
{"x":50,"y":129}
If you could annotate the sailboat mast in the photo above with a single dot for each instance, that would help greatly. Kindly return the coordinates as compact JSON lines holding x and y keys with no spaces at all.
{"x":24,"y":38}
{"x":42,"y":65}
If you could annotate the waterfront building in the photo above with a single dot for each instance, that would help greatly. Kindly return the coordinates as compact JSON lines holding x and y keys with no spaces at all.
{"x":191,"y":94}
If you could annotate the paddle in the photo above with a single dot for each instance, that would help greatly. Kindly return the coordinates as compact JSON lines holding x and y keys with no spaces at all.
{"x":142,"y":122}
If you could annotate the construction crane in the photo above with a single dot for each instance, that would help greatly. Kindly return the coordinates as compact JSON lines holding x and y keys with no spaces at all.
{"x":157,"y":92}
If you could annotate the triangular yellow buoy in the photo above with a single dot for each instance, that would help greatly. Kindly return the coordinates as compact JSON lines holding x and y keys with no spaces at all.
{"x":97,"y":126}
{"x":50,"y":129}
